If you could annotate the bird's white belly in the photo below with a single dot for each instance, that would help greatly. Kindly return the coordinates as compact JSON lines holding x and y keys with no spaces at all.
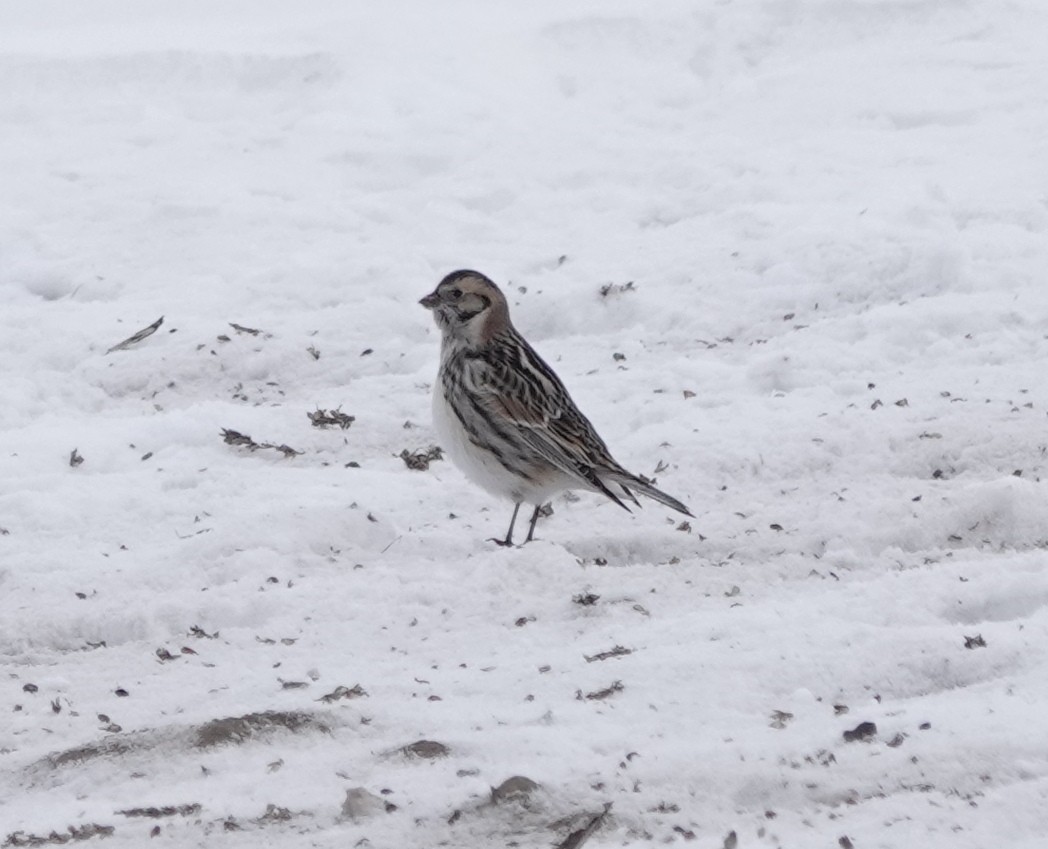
{"x":480,"y":466}
{"x":483,"y":467}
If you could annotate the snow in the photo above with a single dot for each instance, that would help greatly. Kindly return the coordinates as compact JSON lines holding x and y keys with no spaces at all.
{"x":833,"y":214}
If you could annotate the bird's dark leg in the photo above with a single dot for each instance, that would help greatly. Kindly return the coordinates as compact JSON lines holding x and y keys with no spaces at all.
{"x":534,"y":519}
{"x":508,"y":541}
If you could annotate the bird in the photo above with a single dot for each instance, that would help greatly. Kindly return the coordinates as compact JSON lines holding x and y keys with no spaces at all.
{"x":503,"y":415}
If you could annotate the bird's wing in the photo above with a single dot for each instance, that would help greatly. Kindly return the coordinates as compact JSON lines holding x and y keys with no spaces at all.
{"x":519,"y":390}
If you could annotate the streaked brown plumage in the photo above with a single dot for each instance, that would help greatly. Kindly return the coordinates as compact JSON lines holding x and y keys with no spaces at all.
{"x":505,"y":418}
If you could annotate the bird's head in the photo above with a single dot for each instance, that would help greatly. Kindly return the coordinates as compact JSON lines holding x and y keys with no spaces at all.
{"x":467,"y":306}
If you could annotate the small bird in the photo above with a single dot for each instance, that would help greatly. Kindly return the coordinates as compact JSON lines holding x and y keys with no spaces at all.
{"x":505,"y":418}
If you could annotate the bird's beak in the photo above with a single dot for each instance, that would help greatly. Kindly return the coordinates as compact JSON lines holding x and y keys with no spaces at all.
{"x":430,"y":301}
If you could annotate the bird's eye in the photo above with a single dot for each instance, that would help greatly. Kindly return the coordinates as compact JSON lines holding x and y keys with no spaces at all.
{"x":455,"y":294}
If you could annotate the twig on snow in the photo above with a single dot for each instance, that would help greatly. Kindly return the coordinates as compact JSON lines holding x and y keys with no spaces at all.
{"x":327,"y":418}
{"x":617,"y":651}
{"x":232,"y":437}
{"x":599,"y":695}
{"x":420,"y":460}
{"x":138,"y":337}
{"x":577,"y":838}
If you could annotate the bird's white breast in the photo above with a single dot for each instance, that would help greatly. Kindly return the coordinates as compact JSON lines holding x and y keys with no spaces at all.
{"x":480,"y":466}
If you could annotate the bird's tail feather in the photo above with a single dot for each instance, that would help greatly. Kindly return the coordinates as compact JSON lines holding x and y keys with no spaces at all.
{"x":628,"y":482}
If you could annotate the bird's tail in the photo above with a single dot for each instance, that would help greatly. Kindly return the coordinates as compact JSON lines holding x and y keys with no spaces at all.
{"x":630,"y":482}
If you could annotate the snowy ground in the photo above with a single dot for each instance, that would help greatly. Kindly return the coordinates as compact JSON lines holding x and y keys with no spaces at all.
{"x":834,"y":214}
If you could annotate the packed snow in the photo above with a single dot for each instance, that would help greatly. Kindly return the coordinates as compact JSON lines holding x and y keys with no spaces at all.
{"x":790,"y":257}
